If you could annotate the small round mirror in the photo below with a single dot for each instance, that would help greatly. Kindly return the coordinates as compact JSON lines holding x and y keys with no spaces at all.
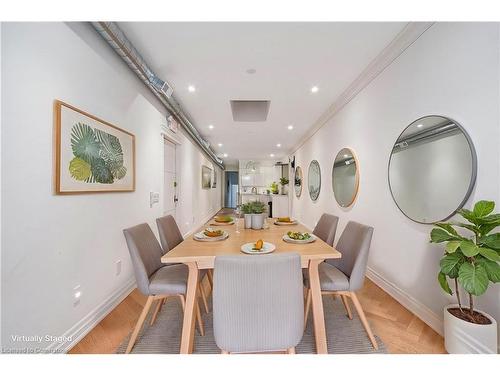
{"x":432,"y":169}
{"x":298,"y":182}
{"x":345,"y":177}
{"x":314,"y":180}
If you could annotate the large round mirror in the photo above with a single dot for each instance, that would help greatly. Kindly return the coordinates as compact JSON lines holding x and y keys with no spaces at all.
{"x":432,"y":169}
{"x":345,"y":177}
{"x":314,"y":180}
{"x":298,"y":182}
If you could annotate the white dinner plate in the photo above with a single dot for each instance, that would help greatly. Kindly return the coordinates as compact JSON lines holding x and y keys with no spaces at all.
{"x":200,"y":236}
{"x":266,"y":248}
{"x":291,"y":240}
{"x":222,"y":223}
{"x":293,"y":222}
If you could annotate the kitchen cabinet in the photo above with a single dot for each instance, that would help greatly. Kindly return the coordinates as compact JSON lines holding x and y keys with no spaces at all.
{"x":280,"y":205}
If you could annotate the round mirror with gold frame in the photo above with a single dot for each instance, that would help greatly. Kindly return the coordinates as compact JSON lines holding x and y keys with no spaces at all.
{"x":345,"y":177}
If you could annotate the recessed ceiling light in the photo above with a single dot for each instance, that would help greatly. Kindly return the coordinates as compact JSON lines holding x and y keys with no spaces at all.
{"x":314,"y":89}
{"x":278,"y":145}
{"x":420,"y":125}
{"x":219,"y":144}
{"x":191,"y":88}
{"x":225,"y":155}
{"x":210,"y":126}
{"x":290,"y":127}
{"x":271,"y":155}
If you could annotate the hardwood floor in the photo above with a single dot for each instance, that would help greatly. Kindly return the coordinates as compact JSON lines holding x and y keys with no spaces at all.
{"x":399,"y":329}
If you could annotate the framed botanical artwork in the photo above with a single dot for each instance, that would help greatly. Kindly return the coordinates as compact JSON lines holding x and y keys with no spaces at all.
{"x":206,"y":177}
{"x":92,"y":155}
{"x":214,"y":181}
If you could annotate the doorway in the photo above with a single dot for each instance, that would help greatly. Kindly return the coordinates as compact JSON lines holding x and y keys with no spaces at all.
{"x":169,"y":179}
{"x":231,"y":193}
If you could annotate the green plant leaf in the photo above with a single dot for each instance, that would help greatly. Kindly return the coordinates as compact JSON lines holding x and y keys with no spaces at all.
{"x":444,"y":283}
{"x":84,"y":142}
{"x":492,"y":241}
{"x":469,"y":248}
{"x":489,"y":254}
{"x":452,"y":246}
{"x":450,"y":264}
{"x":471,"y":227}
{"x":484,"y":229}
{"x":100,"y":172}
{"x":492,"y":269}
{"x":483,"y":208}
{"x":439,"y":235}
{"x":473,"y":278}
{"x":447,"y":227}
{"x":490,"y":219}
{"x":468,"y":215}
{"x":79,"y":169}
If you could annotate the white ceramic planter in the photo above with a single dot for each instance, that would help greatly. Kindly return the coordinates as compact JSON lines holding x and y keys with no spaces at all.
{"x":258,"y":221}
{"x":461,"y":337}
{"x":248,"y":221}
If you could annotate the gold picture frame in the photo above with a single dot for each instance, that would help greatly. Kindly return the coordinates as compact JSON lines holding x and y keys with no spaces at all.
{"x":91,"y":155}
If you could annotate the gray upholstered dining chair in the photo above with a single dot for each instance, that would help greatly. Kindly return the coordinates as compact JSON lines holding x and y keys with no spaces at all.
{"x":258,"y":303}
{"x":154,"y":279}
{"x":170,"y":237}
{"x":346,"y":275}
{"x":326,"y":228}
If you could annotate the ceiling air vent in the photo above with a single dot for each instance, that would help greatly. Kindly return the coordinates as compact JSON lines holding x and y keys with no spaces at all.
{"x":250,"y":110}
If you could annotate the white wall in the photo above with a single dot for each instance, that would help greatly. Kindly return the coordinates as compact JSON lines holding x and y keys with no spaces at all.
{"x":451,"y":70}
{"x":52,"y":243}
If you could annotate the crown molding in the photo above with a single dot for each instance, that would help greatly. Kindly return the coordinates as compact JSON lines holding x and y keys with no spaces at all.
{"x":405,"y":38}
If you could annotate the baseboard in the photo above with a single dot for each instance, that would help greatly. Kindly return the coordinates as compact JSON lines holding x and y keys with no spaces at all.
{"x":416,"y":307}
{"x":85,"y":325}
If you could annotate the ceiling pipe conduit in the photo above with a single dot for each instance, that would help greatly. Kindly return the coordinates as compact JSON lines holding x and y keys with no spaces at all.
{"x":115,"y":37}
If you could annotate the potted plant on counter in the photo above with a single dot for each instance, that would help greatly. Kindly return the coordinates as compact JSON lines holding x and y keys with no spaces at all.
{"x":284,"y":183}
{"x":471,"y":261}
{"x":258,"y":209}
{"x":274,"y":188}
{"x":246,"y":209}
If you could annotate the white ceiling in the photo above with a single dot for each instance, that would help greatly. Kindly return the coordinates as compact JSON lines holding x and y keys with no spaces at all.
{"x":289,"y":58}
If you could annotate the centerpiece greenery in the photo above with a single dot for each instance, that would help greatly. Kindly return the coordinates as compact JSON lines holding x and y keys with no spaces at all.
{"x":471,"y":260}
{"x":274,"y":187}
{"x":284,"y":181}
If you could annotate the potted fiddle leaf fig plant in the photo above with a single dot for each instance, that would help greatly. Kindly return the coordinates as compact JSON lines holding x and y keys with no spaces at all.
{"x":471,"y":261}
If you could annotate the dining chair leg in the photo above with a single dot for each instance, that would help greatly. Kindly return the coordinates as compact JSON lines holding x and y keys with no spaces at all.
{"x":210,"y":277}
{"x":345,"y":301}
{"x":183,"y":302}
{"x":201,"y":329}
{"x":156,"y":311}
{"x":291,"y":350}
{"x":203,"y":296}
{"x":308,"y":307}
{"x":139,"y":324}
{"x":362,"y":316}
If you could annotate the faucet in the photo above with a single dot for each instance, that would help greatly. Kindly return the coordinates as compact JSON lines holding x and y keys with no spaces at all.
{"x":254,"y":190}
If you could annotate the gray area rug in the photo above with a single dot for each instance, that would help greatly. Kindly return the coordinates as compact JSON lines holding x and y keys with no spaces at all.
{"x":344,"y":336}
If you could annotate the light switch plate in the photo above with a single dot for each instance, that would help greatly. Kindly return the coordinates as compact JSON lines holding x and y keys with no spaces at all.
{"x":154,"y":197}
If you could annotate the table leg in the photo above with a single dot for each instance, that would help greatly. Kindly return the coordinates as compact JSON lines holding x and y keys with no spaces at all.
{"x":317,"y":307}
{"x":187,"y":339}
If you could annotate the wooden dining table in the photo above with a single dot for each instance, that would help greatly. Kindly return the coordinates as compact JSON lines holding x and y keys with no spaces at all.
{"x":201,"y":255}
